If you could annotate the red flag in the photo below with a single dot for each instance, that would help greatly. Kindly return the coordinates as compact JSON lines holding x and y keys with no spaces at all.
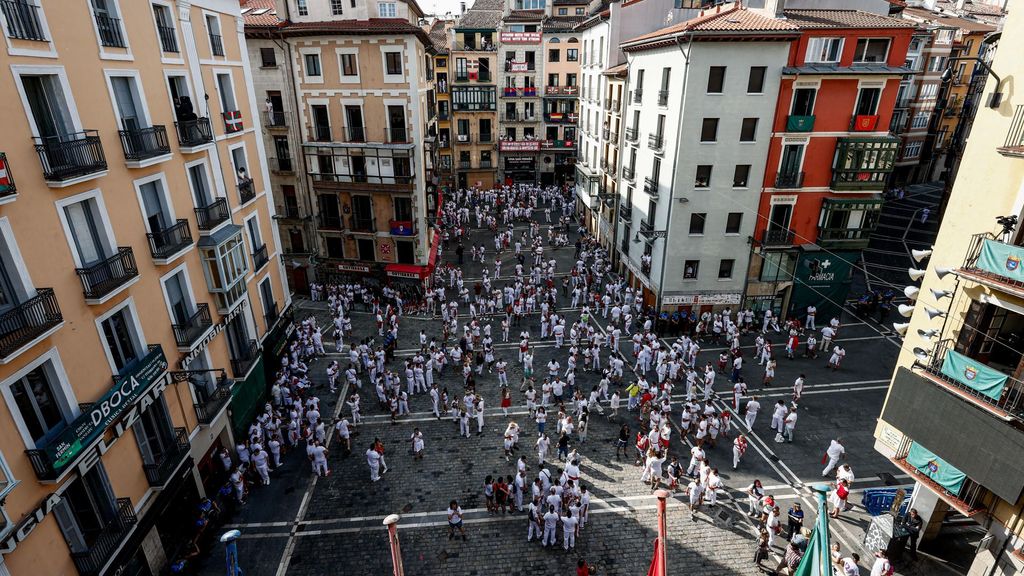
{"x":656,"y":569}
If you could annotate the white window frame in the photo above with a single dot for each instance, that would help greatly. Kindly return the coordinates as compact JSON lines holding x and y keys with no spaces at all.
{"x":216,"y":184}
{"x":105,"y":53}
{"x":392,"y":78}
{"x":61,"y":74}
{"x":302,"y":7}
{"x":182,"y":269}
{"x":177,"y":33}
{"x":164,"y":191}
{"x":63,"y":384}
{"x":307,"y":79}
{"x":50,"y":52}
{"x":805,"y":142}
{"x":818,"y":42}
{"x":344,"y":117}
{"x":340,"y":4}
{"x":234,"y":169}
{"x":888,"y":49}
{"x":248,"y":235}
{"x":105,"y":225}
{"x":168,"y":74}
{"x":382,"y":13}
{"x":138,"y":336}
{"x":207,"y":14}
{"x":109,"y":74}
{"x":217,"y":73}
{"x":22,"y":282}
{"x":343,"y":79}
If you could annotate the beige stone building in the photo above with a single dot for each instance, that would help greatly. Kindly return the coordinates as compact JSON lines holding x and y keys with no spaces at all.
{"x":136,"y":241}
{"x":473,"y":74}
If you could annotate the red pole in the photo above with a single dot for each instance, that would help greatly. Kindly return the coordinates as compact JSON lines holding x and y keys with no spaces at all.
{"x":662,"y":530}
{"x":396,"y":550}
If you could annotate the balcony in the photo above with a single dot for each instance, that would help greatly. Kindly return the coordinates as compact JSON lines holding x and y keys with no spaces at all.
{"x":275,"y":119}
{"x":70,"y":158}
{"x":1013,"y":145}
{"x":852,"y":238}
{"x":613,"y":105}
{"x":797,"y":123}
{"x":163,"y":244}
{"x":355,"y":134}
{"x":788,"y":180}
{"x":464,"y":165}
{"x":281,"y":165}
{"x":365,"y":224}
{"x":8,"y":189}
{"x":232,"y":122}
{"x":158,"y":473}
{"x":632,"y":134}
{"x":628,"y":173}
{"x":485,"y":138}
{"x":638,"y":96}
{"x":656,"y":142}
{"x":527,"y":92}
{"x":144,"y":144}
{"x":864,"y":163}
{"x":662,"y":97}
{"x":864,"y":122}
{"x":241,"y":364}
{"x":22,"y":20}
{"x":558,"y":145}
{"x":193,"y":133}
{"x":104,"y":277}
{"x":168,"y":40}
{"x":970,"y":500}
{"x":216,"y":45}
{"x":564,"y":91}
{"x":775,"y":236}
{"x":212,"y":215}
{"x":625,"y":213}
{"x":903,"y":104}
{"x":259,"y":258}
{"x":560,"y":117}
{"x":28,"y":321}
{"x":397,"y":135}
{"x":647,"y":229}
{"x":975,"y":381}
{"x":110,"y":31}
{"x":994,"y":263}
{"x":651,"y":186}
{"x":327,"y":222}
{"x":211,"y":404}
{"x":104,"y":543}
{"x":246,"y":191}
{"x":188,"y":333}
{"x":606,"y":134}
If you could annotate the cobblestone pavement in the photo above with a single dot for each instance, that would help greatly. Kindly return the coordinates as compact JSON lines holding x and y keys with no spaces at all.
{"x":300,"y":526}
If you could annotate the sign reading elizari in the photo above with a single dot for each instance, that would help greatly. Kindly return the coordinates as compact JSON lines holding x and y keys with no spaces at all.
{"x":148,"y":383}
{"x":90,"y":425}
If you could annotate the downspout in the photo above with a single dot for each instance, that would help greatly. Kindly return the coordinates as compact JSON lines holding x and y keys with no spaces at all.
{"x":675,"y":164}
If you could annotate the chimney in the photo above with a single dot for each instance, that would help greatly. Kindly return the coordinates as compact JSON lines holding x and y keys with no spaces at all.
{"x":960,"y":6}
{"x":771,"y":8}
{"x":462,"y":9}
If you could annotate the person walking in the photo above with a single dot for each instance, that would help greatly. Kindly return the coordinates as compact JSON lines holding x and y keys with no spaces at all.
{"x":373,"y":461}
{"x":455,"y":520}
{"x":833,"y":454}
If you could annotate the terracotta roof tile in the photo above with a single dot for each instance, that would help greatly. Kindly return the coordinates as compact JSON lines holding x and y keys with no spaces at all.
{"x":371,"y":26}
{"x":439,"y":36}
{"x":937,"y":18}
{"x":562,"y":23}
{"x":972,"y":8}
{"x":734,"y":20}
{"x":814,"y":19}
{"x":261,"y":13}
{"x":525,"y":16}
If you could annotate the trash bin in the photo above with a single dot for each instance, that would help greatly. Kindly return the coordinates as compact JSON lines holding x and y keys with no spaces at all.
{"x":879,"y":500}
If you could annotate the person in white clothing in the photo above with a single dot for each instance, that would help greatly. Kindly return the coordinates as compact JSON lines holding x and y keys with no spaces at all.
{"x":373,"y":461}
{"x":550,"y":527}
{"x":834,"y":453}
{"x":752,"y":407}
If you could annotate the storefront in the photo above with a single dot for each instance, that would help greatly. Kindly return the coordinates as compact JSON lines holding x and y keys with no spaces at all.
{"x":519,"y":160}
{"x":700,"y":303}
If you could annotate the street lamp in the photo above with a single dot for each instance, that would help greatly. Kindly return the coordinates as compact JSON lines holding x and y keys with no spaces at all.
{"x":396,"y":550}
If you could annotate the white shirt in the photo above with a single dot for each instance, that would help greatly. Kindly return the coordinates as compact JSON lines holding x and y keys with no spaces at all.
{"x":835,"y":450}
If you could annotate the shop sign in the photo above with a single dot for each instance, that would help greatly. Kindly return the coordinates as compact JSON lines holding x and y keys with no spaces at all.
{"x":395,"y":274}
{"x":519,"y":145}
{"x":520,"y":37}
{"x":354,"y":268}
{"x":217,"y":329}
{"x":702,"y":299}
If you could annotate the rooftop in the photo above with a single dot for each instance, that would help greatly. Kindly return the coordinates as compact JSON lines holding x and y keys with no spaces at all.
{"x":816,"y":19}
{"x":439,"y":36}
{"x":735,"y":20}
{"x":967,"y":25}
{"x":562,"y":23}
{"x":525,"y":16}
{"x":358,"y":27}
{"x":484,"y":15}
{"x":260,"y":13}
{"x":979,"y":8}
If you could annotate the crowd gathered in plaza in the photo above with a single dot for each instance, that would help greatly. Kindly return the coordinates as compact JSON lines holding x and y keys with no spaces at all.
{"x":682,"y":412}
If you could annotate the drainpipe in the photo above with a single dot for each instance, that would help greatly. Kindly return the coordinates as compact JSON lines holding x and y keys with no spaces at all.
{"x":675,"y":165}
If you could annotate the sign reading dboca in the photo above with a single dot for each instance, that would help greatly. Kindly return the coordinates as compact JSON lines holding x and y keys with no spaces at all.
{"x":83,"y":443}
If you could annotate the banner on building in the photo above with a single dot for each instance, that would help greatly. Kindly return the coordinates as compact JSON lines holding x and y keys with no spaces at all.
{"x":232,"y":121}
{"x":513,"y":66}
{"x":974,"y":374}
{"x":822,"y":279}
{"x":520,"y":37}
{"x":1002,"y":259}
{"x":519,"y":145}
{"x":942,"y":472}
{"x":401,"y":228}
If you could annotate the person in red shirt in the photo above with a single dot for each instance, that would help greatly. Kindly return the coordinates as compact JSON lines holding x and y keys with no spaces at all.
{"x":584,"y":569}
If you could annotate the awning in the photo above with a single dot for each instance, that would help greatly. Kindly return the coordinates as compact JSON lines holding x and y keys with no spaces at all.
{"x":406,"y":271}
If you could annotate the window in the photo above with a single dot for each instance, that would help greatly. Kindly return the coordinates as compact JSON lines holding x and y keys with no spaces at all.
{"x":321,"y":123}
{"x":128,"y":102}
{"x":200,"y":182}
{"x":178,"y":298}
{"x":755,"y":81}
{"x":572,"y":54}
{"x":88,"y":234}
{"x":709,"y":130}
{"x":226,"y":91}
{"x":213,"y":30}
{"x":690,"y":268}
{"x":121,"y":338}
{"x":49,"y":107}
{"x":803,"y":101}
{"x":563,"y":11}
{"x":303,"y":7}
{"x":867,"y":101}
{"x":107,"y":23}
{"x":334,"y":247}
{"x":554,"y":55}
{"x":155,"y":207}
{"x":740,"y":175}
{"x":928,"y":91}
{"x":697,"y":220}
{"x":748,"y":131}
{"x":716,"y":79}
{"x":733,"y":222}
{"x":386,"y":9}
{"x":703,"y":179}
{"x":312,"y":65}
{"x":349,"y":65}
{"x":725,"y":268}
{"x":824,"y":50}
{"x":268,"y":58}
{"x":912,"y":150}
{"x":393,"y":63}
{"x":337,"y":7}
{"x":871,"y":50}
{"x":225,"y":266}
{"x":41,"y":402}
{"x":920,"y":120}
{"x":165,"y":28}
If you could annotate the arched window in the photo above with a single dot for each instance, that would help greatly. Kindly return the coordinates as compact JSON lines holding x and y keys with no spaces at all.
{"x":554,"y":41}
{"x":573,"y":41}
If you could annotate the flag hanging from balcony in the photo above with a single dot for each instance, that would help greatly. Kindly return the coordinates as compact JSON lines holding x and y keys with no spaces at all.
{"x":6,"y":182}
{"x":1002,"y":259}
{"x":942,"y":472}
{"x":974,"y":374}
{"x":401,"y":228}
{"x":232,"y":122}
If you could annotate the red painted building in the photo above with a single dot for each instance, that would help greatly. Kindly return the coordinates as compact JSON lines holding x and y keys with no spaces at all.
{"x":829,"y":158}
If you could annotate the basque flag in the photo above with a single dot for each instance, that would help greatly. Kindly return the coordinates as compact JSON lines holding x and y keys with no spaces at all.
{"x":232,"y":121}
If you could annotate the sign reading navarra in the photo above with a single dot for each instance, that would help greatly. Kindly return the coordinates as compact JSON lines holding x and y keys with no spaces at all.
{"x":90,"y":425}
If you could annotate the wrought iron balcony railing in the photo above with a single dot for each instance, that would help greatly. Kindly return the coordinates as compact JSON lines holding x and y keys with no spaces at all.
{"x":28,"y":320}
{"x":210,"y":216}
{"x":189,"y":332}
{"x":144,"y":143}
{"x":108,"y":275}
{"x":171,"y":240}
{"x":71,"y":156}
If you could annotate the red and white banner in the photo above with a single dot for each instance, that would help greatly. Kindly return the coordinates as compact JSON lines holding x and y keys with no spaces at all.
{"x":232,"y":122}
{"x":519,"y":145}
{"x":520,"y":37}
{"x":6,"y":182}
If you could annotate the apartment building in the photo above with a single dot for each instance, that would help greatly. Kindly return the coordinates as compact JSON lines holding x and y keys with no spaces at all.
{"x":520,"y":51}
{"x":954,"y":414}
{"x":691,"y":173}
{"x":141,"y":278}
{"x":366,"y":111}
{"x":603,"y":222}
{"x":829,"y":159}
{"x":440,"y":34}
{"x":561,"y":91}
{"x":474,"y":55}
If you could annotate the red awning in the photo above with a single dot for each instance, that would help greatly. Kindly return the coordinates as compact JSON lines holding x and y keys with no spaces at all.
{"x":406,"y":271}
